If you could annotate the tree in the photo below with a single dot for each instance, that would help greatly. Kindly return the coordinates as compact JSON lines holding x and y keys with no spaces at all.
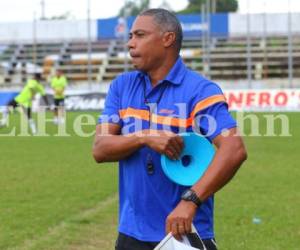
{"x":226,"y":5}
{"x":133,"y":8}
{"x":194,"y":6}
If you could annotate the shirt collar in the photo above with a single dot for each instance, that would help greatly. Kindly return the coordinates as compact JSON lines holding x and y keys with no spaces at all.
{"x":175,"y":75}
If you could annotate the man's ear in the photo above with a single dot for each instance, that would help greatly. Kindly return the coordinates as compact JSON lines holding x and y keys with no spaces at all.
{"x":169,"y":39}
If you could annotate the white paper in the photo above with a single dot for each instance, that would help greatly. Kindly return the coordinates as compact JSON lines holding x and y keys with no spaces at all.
{"x":177,"y":245}
{"x":170,"y":243}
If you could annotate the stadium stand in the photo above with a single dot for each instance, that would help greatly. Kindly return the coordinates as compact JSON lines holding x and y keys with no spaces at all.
{"x":228,"y":59}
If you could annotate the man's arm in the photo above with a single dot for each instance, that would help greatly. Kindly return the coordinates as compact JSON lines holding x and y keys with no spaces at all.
{"x":109,"y":145}
{"x":231,"y":153}
{"x":229,"y":156}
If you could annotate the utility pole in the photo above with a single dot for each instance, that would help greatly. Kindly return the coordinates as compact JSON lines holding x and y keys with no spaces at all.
{"x":43,"y":15}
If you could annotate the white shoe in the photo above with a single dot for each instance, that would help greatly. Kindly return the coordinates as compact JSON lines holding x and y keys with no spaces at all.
{"x":55,"y":120}
{"x":32,"y":126}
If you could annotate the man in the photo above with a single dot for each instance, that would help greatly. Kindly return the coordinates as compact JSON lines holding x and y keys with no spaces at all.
{"x":140,"y":121}
{"x":58,"y":84}
{"x":24,"y":100}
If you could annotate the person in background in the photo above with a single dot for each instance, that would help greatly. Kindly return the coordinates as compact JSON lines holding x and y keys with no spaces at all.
{"x":24,"y":100}
{"x":58,"y":84}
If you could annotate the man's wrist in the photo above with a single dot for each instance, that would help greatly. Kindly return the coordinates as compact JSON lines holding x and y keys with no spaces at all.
{"x":191,"y":196}
{"x":190,"y":204}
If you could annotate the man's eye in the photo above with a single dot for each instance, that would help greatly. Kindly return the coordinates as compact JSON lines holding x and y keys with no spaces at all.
{"x":140,"y":34}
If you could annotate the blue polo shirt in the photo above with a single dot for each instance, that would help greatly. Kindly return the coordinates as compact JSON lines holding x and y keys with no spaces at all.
{"x":183,"y":102}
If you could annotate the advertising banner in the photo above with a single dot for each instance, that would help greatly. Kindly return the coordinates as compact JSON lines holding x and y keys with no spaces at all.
{"x":263,"y":99}
{"x":192,"y":26}
{"x":237,"y":99}
{"x":5,"y":97}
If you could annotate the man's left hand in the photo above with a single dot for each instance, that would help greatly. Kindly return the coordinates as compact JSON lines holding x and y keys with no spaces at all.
{"x":179,"y":221}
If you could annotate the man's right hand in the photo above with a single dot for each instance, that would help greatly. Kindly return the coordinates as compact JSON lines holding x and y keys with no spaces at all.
{"x":163,"y":142}
{"x":109,"y":145}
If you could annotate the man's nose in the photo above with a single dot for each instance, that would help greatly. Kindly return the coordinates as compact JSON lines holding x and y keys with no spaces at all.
{"x":130,"y":44}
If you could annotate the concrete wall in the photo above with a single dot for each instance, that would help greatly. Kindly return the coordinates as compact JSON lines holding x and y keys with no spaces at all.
{"x":275,"y":24}
{"x":47,"y":30}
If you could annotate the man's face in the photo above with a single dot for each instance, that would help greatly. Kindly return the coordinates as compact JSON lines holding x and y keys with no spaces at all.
{"x":146,"y":44}
{"x":58,"y":73}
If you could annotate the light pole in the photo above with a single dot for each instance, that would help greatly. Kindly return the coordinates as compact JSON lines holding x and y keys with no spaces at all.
{"x":34,"y":38}
{"x":43,"y":15}
{"x":290,"y":46}
{"x":125,"y":35}
{"x":208,"y":40}
{"x":213,"y":6}
{"x":265,"y":43}
{"x":89,"y":44}
{"x":249,"y":61}
{"x":203,"y":38}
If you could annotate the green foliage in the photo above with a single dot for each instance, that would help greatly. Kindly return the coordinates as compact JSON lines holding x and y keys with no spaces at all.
{"x":226,"y":5}
{"x":133,"y":8}
{"x":194,"y":6}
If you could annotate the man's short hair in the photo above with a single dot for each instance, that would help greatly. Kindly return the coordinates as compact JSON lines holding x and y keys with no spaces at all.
{"x":167,"y":21}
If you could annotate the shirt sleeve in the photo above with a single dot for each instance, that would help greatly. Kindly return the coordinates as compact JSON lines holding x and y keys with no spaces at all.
{"x":30,"y":84}
{"x":41,"y":89}
{"x":211,"y":115}
{"x":213,"y":120}
{"x":110,"y":113}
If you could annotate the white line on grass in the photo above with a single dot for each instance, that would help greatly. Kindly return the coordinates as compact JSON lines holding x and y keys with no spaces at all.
{"x":60,"y":228}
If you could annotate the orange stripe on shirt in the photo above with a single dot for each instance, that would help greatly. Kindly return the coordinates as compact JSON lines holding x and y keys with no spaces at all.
{"x":136,"y":113}
{"x":168,"y":120}
{"x":206,"y":103}
{"x":180,"y":122}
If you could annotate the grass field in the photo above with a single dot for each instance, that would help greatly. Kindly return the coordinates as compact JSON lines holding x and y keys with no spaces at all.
{"x":53,"y":195}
